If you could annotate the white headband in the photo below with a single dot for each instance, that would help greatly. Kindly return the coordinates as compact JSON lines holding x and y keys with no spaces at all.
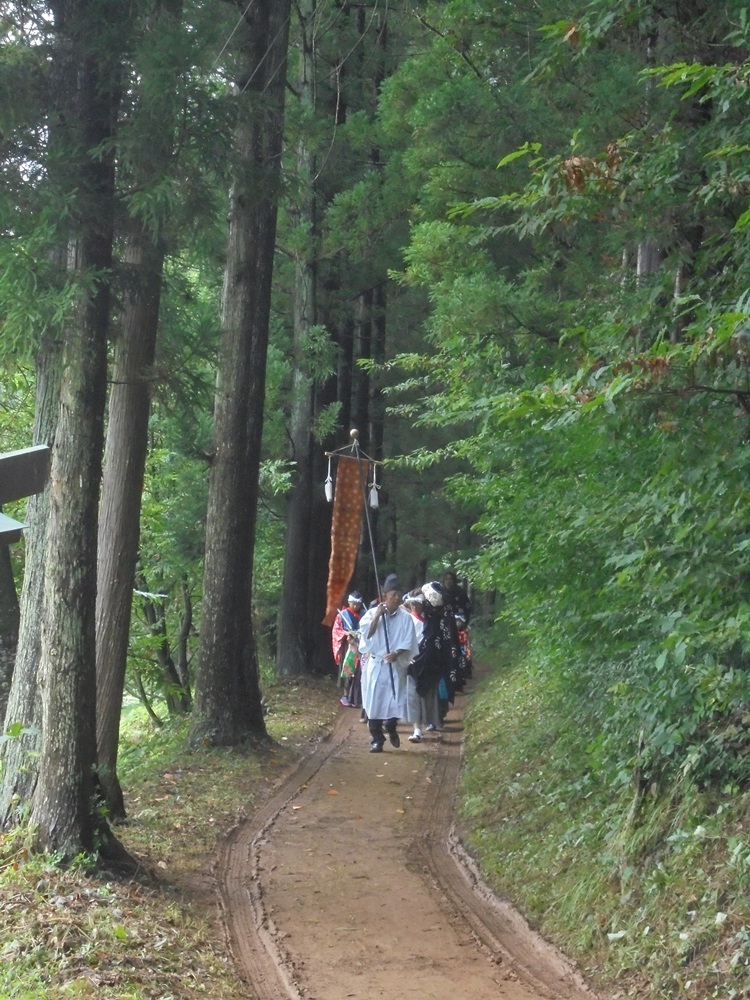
{"x":433,"y":595}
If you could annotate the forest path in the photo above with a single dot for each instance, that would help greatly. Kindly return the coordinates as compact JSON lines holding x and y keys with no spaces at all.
{"x":351,"y":884}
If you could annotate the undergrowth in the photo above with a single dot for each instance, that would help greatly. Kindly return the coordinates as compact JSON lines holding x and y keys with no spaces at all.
{"x":648,"y":888}
{"x":76,"y":931}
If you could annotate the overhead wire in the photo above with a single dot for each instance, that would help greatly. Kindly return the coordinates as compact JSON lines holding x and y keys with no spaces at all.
{"x":241,"y":18}
{"x":282,"y":62}
{"x":339,"y":66}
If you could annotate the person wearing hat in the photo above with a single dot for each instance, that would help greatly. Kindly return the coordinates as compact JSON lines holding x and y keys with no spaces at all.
{"x":388,"y":636}
{"x":434,"y":668}
{"x":431,"y":666}
{"x":344,"y":643}
{"x":417,"y":712}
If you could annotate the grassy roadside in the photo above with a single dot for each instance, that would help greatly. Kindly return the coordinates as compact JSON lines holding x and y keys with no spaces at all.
{"x":656,"y":907}
{"x":78,"y":933}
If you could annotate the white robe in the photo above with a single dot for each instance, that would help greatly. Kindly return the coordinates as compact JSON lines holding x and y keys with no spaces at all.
{"x":380,"y":700}
{"x":418,"y":710}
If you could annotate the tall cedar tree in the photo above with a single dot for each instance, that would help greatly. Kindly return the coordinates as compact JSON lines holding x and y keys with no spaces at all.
{"x":293,"y":650}
{"x":331,"y":270}
{"x":63,"y":805}
{"x":129,"y":407}
{"x":228,"y":705}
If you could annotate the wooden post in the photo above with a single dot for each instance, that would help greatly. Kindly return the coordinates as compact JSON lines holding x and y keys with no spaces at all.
{"x":22,"y":473}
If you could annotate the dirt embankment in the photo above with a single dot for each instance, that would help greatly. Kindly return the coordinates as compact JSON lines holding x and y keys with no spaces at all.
{"x":351,"y":882}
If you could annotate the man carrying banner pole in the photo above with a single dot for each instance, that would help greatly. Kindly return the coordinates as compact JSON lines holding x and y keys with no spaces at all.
{"x":388,"y":636}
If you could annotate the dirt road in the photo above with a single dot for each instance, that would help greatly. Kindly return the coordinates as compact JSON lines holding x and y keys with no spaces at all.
{"x":352,"y":883}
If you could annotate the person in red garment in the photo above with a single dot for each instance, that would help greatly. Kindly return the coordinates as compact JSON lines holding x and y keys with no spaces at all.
{"x":345,"y":646}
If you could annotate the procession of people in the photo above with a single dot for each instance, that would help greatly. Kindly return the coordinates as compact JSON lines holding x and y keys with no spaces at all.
{"x":404,"y":659}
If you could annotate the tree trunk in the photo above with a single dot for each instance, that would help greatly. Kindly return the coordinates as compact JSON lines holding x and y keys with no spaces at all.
{"x":9,"y":619}
{"x":186,"y":627}
{"x":129,"y":409}
{"x":122,"y":487}
{"x":24,"y":703}
{"x":227,"y":703}
{"x":361,"y":379}
{"x":376,"y":412}
{"x":345,"y":374}
{"x":63,"y":807}
{"x":294,"y":626}
{"x":176,"y":698}
{"x":9,"y":606}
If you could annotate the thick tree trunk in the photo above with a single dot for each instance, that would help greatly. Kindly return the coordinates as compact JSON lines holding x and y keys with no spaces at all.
{"x":227,"y":702}
{"x":24,"y":702}
{"x":122,"y":486}
{"x":63,"y":806}
{"x":129,"y":409}
{"x":294,"y":626}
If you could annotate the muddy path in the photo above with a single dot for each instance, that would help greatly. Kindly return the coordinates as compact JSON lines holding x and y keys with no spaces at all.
{"x":351,"y":882}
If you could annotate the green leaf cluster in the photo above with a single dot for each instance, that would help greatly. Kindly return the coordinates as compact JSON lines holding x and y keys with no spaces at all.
{"x":588,"y":352}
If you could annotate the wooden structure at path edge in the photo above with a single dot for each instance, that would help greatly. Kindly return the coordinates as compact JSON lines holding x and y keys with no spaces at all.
{"x":22,"y":473}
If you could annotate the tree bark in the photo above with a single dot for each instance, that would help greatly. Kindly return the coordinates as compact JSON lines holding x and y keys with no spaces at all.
{"x":186,"y":627}
{"x":63,"y":806}
{"x":176,"y":698}
{"x":24,"y":703}
{"x":122,"y":487}
{"x":127,"y":430}
{"x":228,"y":704}
{"x":361,"y":379}
{"x":294,"y":626}
{"x":9,"y":607}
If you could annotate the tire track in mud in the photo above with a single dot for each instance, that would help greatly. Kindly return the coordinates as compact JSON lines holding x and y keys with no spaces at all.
{"x":254,"y":940}
{"x":497,"y":926}
{"x":288,"y":899}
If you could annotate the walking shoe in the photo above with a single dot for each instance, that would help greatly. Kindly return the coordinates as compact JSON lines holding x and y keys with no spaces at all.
{"x":376,"y":747}
{"x":395,"y":739}
{"x":415,"y":738}
{"x":345,"y":702}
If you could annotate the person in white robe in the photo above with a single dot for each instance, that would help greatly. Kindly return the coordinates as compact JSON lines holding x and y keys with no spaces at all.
{"x":388,"y":636}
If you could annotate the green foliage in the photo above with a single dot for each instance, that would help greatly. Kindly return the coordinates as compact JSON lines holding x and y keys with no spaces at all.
{"x":587,"y":366}
{"x":659,"y":904}
{"x":606,"y":415}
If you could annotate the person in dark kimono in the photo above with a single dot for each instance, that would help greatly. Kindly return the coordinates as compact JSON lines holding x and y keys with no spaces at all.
{"x":456,"y":596}
{"x":439,"y":656}
{"x":424,"y":670}
{"x":458,"y":600}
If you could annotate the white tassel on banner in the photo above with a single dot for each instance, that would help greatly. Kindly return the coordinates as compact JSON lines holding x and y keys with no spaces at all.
{"x":329,"y":483}
{"x":374,"y":487}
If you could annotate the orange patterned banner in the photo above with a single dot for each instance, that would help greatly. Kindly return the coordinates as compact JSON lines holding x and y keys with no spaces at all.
{"x":345,"y":531}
